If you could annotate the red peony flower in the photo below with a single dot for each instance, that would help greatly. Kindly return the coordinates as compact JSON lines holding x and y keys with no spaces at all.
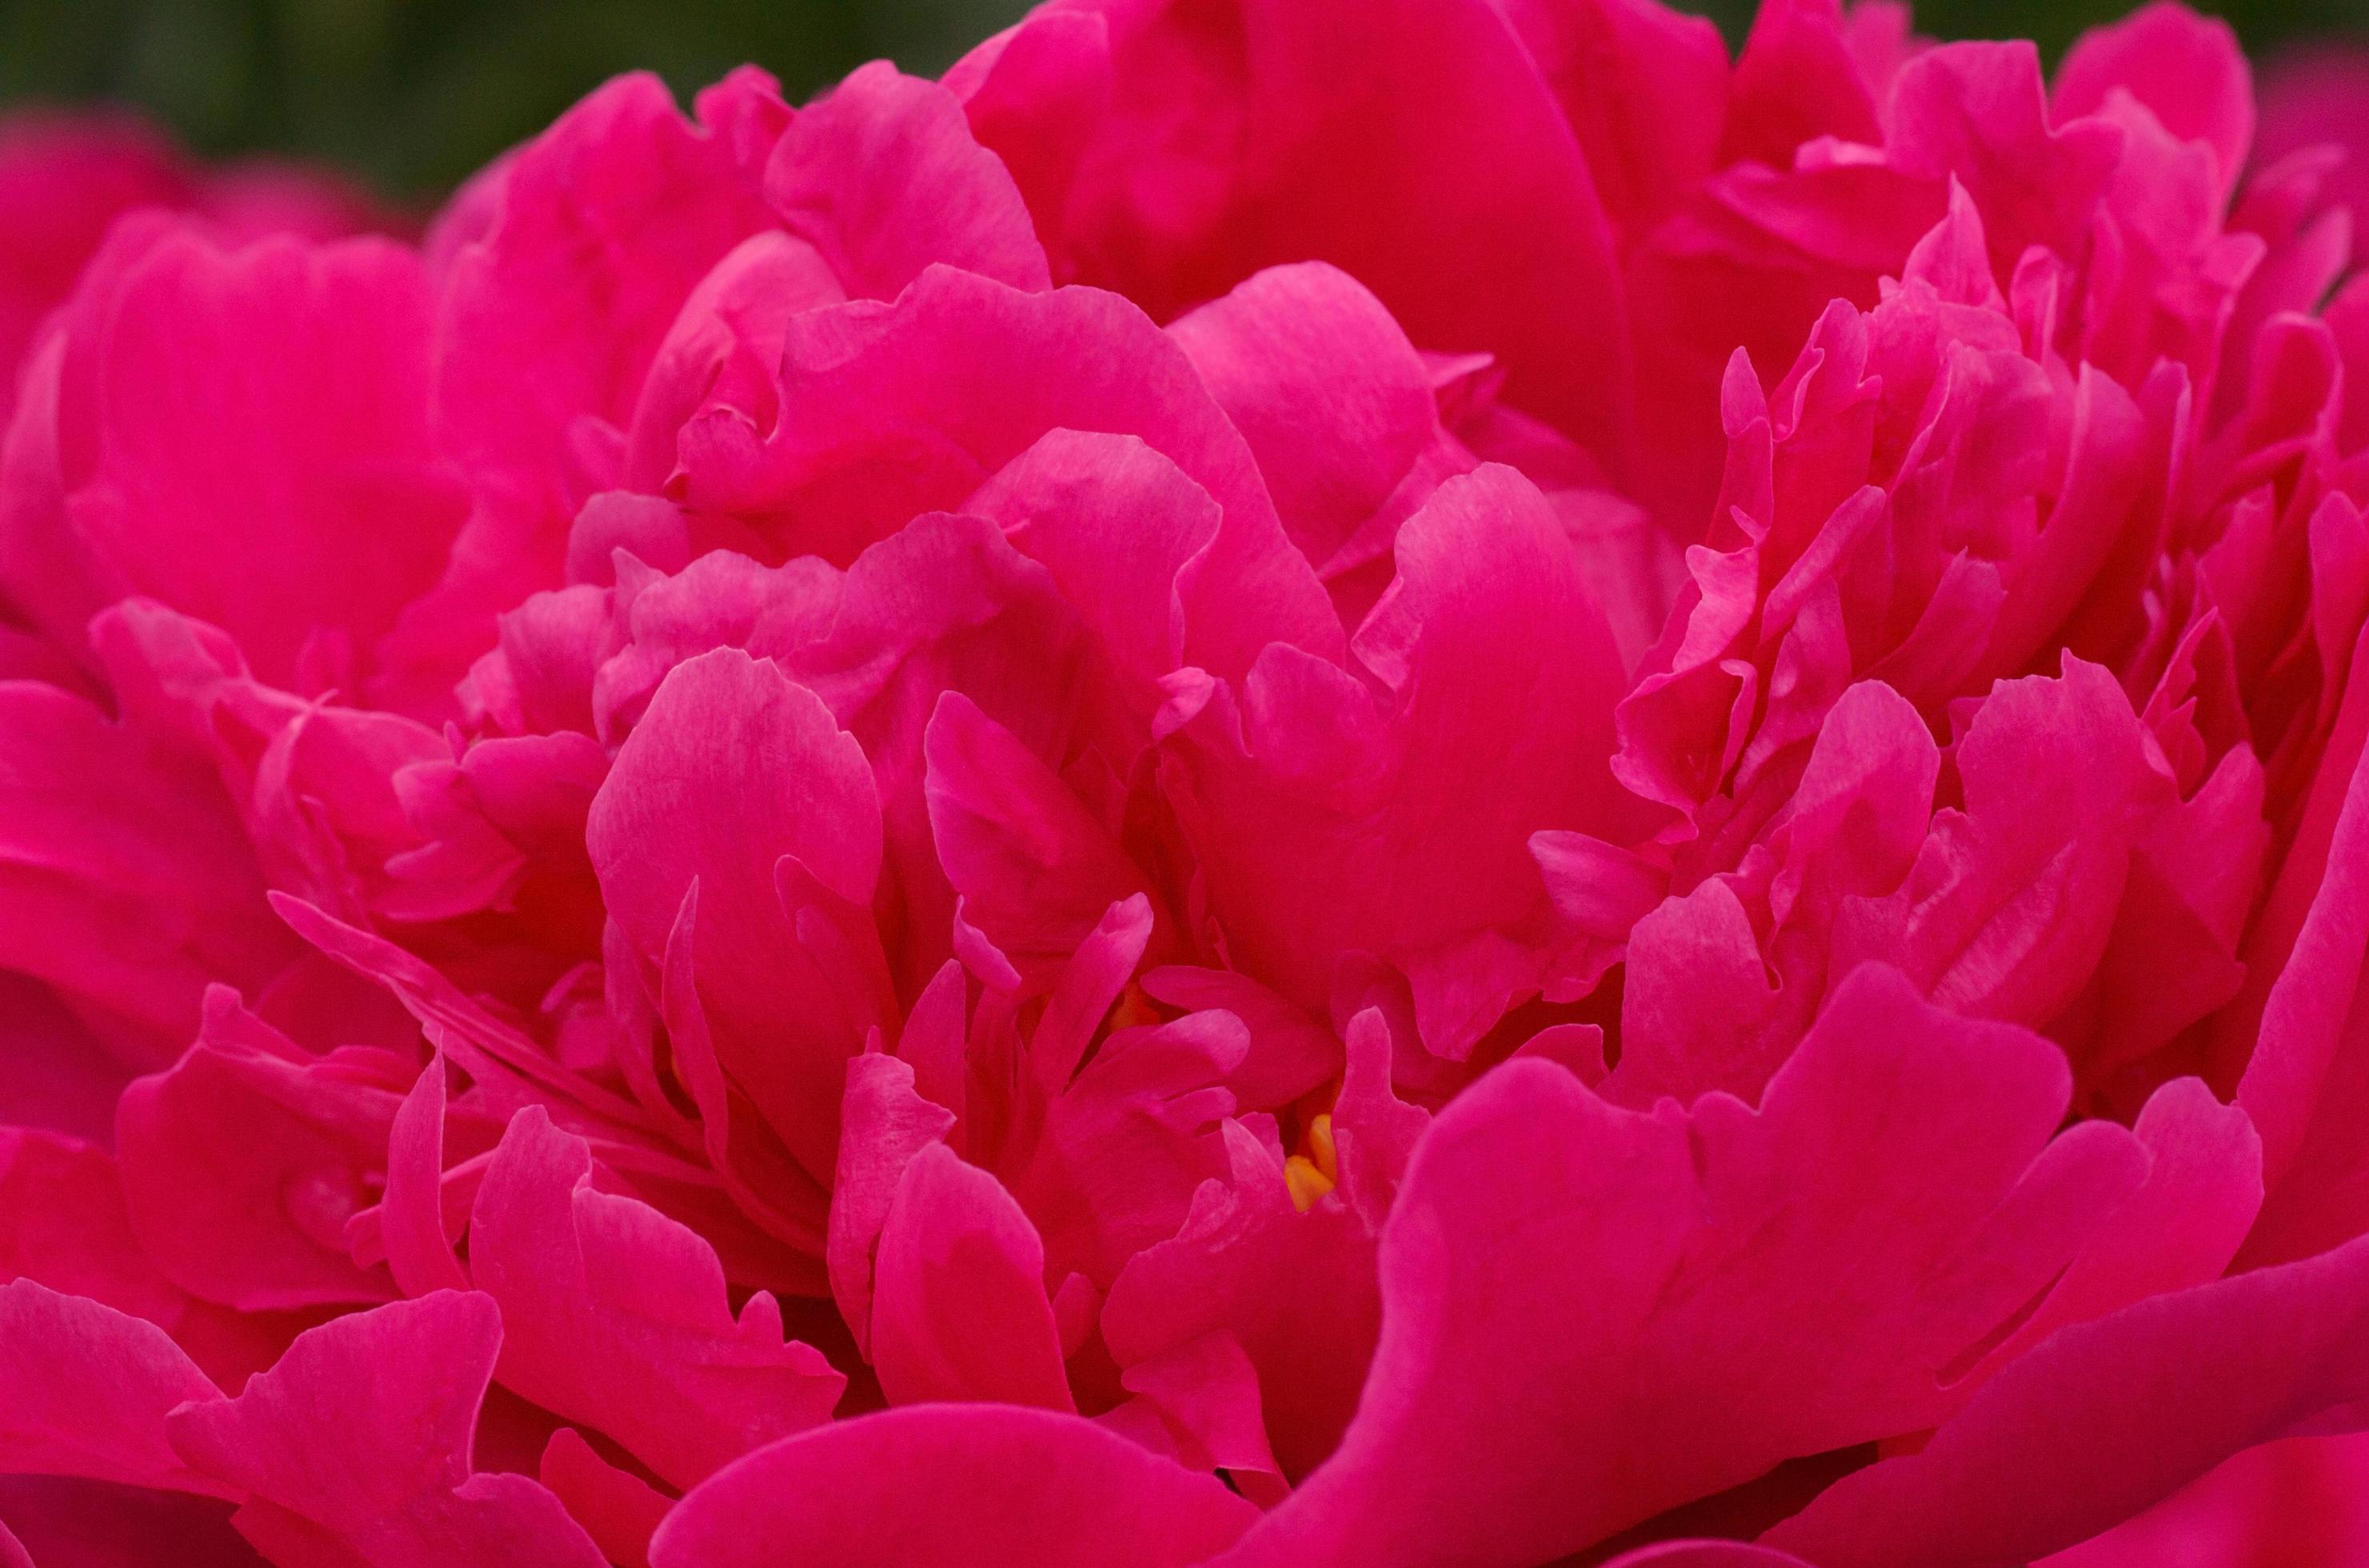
{"x":1284,"y":782}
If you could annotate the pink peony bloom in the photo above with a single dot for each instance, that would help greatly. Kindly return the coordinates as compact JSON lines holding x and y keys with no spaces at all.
{"x":1279,"y":783}
{"x":65,"y":178}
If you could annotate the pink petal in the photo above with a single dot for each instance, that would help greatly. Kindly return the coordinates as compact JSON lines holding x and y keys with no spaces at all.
{"x":2072,"y":1439}
{"x":2297,"y":1501}
{"x":63,"y":1077}
{"x":594,"y":234}
{"x":1001,"y":1484}
{"x":706,"y":787}
{"x":1160,"y":572}
{"x":305,"y":545}
{"x":1705,"y":1554}
{"x":2301,"y":1082}
{"x":83,"y":1390}
{"x":1796,"y":82}
{"x":356,"y":1446}
{"x":616,"y":1316}
{"x":1570,"y":1290}
{"x":884,"y":1124}
{"x":2185,"y":68}
{"x":878,"y":427}
{"x":1262,"y":133}
{"x":415,"y":1235}
{"x":74,"y":1522}
{"x":1123,"y":1146}
{"x":618,"y":1509}
{"x":882,"y":176}
{"x":1313,"y":810}
{"x":130,"y":882}
{"x":1375,"y":1132}
{"x":1034,"y":868}
{"x":1330,"y":396}
{"x":63,"y":1222}
{"x":242,"y":1164}
{"x":1294,"y":1290}
{"x":959,"y":1309}
{"x":1290,"y":1053}
{"x":1645,"y":89}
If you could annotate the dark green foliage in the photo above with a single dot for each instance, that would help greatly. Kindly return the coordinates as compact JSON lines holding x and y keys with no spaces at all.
{"x":414,"y":94}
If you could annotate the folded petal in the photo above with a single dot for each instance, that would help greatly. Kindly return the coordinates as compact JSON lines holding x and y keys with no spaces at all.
{"x":617,"y":1508}
{"x":356,"y":1446}
{"x":1570,"y":1291}
{"x":958,"y":1308}
{"x":1294,"y":1290}
{"x":245,"y":436}
{"x":130,"y":882}
{"x":2243,"y":1360}
{"x":616,"y":1316}
{"x":2299,"y":1500}
{"x":243,"y":1163}
{"x":882,"y":176}
{"x":733,"y":769}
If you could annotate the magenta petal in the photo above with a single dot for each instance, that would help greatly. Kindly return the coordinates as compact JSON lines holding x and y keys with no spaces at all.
{"x":83,"y":1390}
{"x":1313,"y":801}
{"x":616,"y":1316}
{"x":1295,"y":1291}
{"x":878,"y":427}
{"x":1706,"y":1554}
{"x":2302,"y":1085}
{"x":617,"y":1508}
{"x":1033,"y":869}
{"x":952,"y":1484}
{"x":2301,"y":1500}
{"x":1205,"y":1395}
{"x":594,"y":234}
{"x":64,"y":1222}
{"x":62,"y":1077}
{"x":1332,"y":398}
{"x":1124,"y":1145}
{"x":126,"y":881}
{"x":1260,"y":133}
{"x":1570,"y":1290}
{"x":733,"y":769}
{"x":882,"y":176}
{"x":2074,"y":1437}
{"x":412,"y":1221}
{"x":1290,"y":1053}
{"x":958,"y":1308}
{"x":241,"y":1167}
{"x":884,"y":1124}
{"x":360,"y":1438}
{"x":1375,"y":1132}
{"x":2187,"y":70}
{"x":246,"y":438}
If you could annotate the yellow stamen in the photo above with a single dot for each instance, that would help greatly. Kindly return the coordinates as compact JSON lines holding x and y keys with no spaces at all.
{"x":1306,"y":1183}
{"x":1316,"y":1168}
{"x":1320,"y":1148}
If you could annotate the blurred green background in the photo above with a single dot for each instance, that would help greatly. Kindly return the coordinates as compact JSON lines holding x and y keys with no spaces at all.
{"x":414,"y":94}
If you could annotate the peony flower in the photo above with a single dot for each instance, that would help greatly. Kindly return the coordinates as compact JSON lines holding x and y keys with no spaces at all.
{"x":1433,"y":784}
